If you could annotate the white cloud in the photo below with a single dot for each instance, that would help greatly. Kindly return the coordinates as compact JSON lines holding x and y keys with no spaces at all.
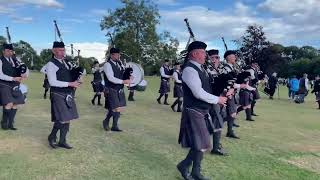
{"x":5,"y":10}
{"x":209,"y":25}
{"x":17,"y":19}
{"x":167,"y":2}
{"x":40,"y":3}
{"x":90,"y":49}
{"x":99,"y":12}
{"x":74,"y":20}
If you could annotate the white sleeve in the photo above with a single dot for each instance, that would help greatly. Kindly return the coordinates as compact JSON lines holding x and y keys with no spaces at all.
{"x":251,"y":71}
{"x":3,"y":76}
{"x":236,"y":86}
{"x":163,"y":74}
{"x":44,"y":69}
{"x":191,"y":77}
{"x":110,"y":75}
{"x":52,"y":76}
{"x":306,"y":84}
{"x":176,"y":78}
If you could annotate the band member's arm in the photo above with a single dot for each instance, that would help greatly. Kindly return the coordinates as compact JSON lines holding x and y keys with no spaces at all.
{"x":163,"y":74}
{"x":251,"y":71}
{"x":3,"y":76}
{"x":110,"y":75}
{"x":191,"y":77}
{"x":52,"y":77}
{"x":44,"y":69}
{"x":175,"y":77}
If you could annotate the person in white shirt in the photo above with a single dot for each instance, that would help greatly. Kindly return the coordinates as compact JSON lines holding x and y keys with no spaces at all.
{"x":10,"y":93}
{"x":62,"y":88}
{"x":197,"y":97}
{"x":165,"y":74}
{"x":177,"y":90}
{"x":114,"y":75}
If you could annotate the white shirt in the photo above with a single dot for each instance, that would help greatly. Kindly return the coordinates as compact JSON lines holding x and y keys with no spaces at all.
{"x":176,"y":77}
{"x":52,"y":75}
{"x":191,"y":77}
{"x":251,"y":71}
{"x":94,"y":69}
{"x":107,"y":68}
{"x":162,"y":73}
{"x":44,"y":69}
{"x":306,"y":82}
{"x":4,"y":76}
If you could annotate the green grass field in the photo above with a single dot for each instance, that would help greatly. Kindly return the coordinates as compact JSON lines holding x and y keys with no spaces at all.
{"x":283,"y":142}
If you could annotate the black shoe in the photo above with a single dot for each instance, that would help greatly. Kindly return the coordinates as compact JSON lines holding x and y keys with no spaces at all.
{"x":253,"y":114}
{"x":65,"y":145}
{"x":179,"y":110}
{"x":166,"y":103}
{"x":13,"y":128}
{"x":105,"y":126}
{"x":99,"y":104}
{"x":250,"y":119}
{"x":44,"y":97}
{"x":232,"y":135}
{"x":51,"y":142}
{"x":173,"y":109}
{"x":158,"y":100}
{"x":116,"y":129}
{"x":235,"y":125}
{"x":219,"y":152}
{"x":199,"y":177}
{"x":92,"y":102}
{"x":184,"y":172}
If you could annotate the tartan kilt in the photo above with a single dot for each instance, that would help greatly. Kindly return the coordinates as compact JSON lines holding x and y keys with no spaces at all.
{"x":231,"y":106}
{"x":245,"y":97}
{"x":177,"y":91}
{"x":256,"y":94}
{"x":60,"y":112}
{"x":216,"y":116}
{"x":194,"y":129}
{"x":116,"y":98}
{"x":164,"y":87}
{"x":97,"y":86}
{"x":7,"y":96}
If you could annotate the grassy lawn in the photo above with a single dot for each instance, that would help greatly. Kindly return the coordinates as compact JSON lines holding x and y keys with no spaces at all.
{"x":283,"y":142}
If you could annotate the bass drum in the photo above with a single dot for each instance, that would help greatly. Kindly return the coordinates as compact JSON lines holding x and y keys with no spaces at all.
{"x":142,"y":86}
{"x":137,"y":73}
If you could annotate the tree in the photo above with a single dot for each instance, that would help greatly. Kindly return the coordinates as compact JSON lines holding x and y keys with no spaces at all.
{"x":252,"y":44}
{"x":134,"y":29}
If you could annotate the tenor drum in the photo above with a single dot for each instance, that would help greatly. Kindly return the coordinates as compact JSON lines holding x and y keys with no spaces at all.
{"x":137,"y":73}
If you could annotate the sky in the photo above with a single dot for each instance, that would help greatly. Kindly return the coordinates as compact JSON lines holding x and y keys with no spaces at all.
{"x":289,"y":22}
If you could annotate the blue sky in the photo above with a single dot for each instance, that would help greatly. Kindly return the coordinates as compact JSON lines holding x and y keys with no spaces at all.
{"x":290,"y":22}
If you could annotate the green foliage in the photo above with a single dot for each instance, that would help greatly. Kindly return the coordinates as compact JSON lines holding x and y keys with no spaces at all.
{"x":134,"y":29}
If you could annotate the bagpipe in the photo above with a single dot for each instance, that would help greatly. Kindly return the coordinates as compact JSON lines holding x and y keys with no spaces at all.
{"x":21,"y":67}
{"x":221,"y":82}
{"x":76,"y":70}
{"x":131,"y":69}
{"x":241,"y":68}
